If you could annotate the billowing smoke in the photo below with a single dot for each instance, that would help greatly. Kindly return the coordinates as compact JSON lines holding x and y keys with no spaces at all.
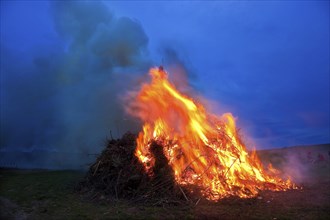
{"x":304,"y":164}
{"x":67,"y":99}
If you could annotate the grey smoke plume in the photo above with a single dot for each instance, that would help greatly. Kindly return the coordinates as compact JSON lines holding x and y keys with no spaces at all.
{"x":66,"y":98}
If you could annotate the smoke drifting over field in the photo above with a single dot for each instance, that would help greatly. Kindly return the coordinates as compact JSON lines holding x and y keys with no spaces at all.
{"x":66,"y":99}
{"x":67,"y":96}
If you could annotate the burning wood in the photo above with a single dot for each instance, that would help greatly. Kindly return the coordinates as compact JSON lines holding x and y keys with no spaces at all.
{"x":202,"y":149}
{"x":182,"y":153}
{"x":118,"y":174}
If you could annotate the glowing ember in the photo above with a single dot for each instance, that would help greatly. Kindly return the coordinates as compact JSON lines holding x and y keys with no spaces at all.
{"x":203,"y":149}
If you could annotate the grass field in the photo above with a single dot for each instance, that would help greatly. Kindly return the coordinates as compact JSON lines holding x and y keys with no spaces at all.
{"x":42,"y":194}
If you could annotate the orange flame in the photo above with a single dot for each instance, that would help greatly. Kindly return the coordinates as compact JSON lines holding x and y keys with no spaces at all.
{"x":203,"y":149}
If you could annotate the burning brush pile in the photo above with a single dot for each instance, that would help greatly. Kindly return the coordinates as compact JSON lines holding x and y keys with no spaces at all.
{"x":183,"y":153}
{"x":118,"y":174}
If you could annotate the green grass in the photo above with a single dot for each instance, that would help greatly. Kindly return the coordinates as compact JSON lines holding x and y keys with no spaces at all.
{"x":50,"y":195}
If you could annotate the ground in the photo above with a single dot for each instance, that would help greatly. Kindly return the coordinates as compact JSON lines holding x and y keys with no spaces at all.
{"x":42,"y":194}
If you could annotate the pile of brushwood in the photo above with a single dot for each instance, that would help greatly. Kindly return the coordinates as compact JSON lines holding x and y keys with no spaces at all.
{"x":118,"y":174}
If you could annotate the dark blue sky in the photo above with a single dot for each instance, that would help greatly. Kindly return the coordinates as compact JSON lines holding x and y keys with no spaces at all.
{"x":265,"y":61}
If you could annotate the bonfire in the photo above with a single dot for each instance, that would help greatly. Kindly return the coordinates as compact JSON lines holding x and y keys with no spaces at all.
{"x":182,"y":149}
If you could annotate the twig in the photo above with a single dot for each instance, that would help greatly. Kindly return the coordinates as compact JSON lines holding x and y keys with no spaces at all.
{"x":97,"y":167}
{"x":157,"y":186}
{"x":183,"y":194}
{"x":206,"y":156}
{"x":197,"y":201}
{"x":111,"y":135}
{"x":230,"y":167}
{"x":206,"y":169}
{"x":117,"y":183}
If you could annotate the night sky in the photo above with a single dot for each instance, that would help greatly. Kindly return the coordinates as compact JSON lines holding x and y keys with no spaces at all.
{"x":65,"y":67}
